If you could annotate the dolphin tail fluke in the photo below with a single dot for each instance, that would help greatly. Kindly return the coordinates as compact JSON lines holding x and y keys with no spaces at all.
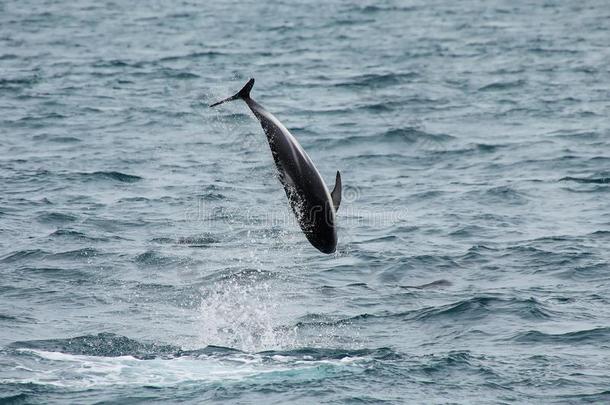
{"x":242,"y":94}
{"x":336,"y":194}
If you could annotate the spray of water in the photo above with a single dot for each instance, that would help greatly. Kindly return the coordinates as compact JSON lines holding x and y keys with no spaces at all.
{"x":243,"y":311}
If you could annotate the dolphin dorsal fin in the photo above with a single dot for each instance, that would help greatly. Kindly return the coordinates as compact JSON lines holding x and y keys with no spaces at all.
{"x":336,"y":194}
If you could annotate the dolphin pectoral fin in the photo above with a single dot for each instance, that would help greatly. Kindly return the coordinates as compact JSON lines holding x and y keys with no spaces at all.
{"x":336,"y":194}
{"x":243,"y":94}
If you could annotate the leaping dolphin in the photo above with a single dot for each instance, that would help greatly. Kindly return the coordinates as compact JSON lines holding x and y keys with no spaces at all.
{"x":314,"y":206}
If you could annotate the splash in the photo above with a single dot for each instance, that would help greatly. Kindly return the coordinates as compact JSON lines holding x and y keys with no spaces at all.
{"x":243,"y":311}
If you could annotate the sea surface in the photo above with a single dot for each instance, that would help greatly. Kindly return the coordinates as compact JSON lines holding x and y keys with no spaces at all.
{"x":148,"y":253}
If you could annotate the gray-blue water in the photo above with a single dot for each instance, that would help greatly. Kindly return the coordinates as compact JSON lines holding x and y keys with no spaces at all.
{"x":148,"y":253}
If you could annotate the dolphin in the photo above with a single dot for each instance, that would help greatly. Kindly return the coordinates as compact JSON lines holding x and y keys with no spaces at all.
{"x":313,"y":205}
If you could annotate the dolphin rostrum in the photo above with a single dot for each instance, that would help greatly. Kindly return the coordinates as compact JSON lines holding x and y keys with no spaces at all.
{"x":314,"y":206}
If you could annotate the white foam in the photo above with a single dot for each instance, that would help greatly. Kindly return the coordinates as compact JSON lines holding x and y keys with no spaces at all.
{"x":82,"y":372}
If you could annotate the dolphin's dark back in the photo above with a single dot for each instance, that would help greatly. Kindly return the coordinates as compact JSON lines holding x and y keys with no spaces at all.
{"x":307,"y":193}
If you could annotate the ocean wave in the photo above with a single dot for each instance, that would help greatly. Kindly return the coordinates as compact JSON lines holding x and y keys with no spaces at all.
{"x":54,"y":273}
{"x":107,"y":344}
{"x":595,"y":336}
{"x":72,"y":234}
{"x":201,"y":240}
{"x":502,"y":195}
{"x":8,"y":319}
{"x":575,"y":135}
{"x":470,"y":310}
{"x":477,"y":307}
{"x":21,"y":255}
{"x":587,"y":180}
{"x":9,"y":56}
{"x":457,"y":359}
{"x":406,"y":135}
{"x":376,"y":80}
{"x":57,"y":218}
{"x":111,"y":175}
{"x":598,"y":271}
{"x":503,"y":85}
{"x":430,"y":285}
{"x":74,"y":254}
{"x":18,"y":83}
{"x":57,"y":139}
{"x":477,"y":254}
{"x":102,"y":344}
{"x":249,"y":276}
{"x":317,"y":354}
{"x":114,"y":63}
{"x":599,"y":397}
{"x":155,"y":258}
{"x":191,"y":56}
{"x":380,"y":8}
